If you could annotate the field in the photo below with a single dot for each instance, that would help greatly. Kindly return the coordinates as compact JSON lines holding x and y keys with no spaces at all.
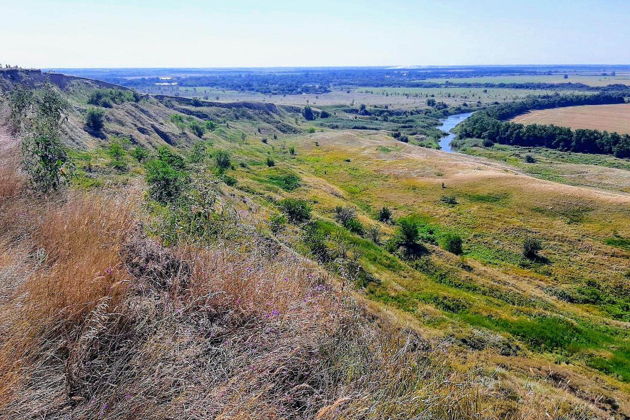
{"x":600,"y":117}
{"x":587,"y":79}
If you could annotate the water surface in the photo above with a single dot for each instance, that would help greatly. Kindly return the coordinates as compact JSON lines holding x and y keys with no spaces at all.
{"x":447,"y":125}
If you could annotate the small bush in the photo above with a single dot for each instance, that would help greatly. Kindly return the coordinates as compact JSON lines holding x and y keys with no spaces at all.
{"x":171,"y":158}
{"x":222,"y":160}
{"x":270,"y":162}
{"x":197,"y":129}
{"x":296,"y":210}
{"x":277,"y":222}
{"x":308,"y":113}
{"x":311,"y":130}
{"x":165,"y":182}
{"x":530,"y":159}
{"x":139,"y":153}
{"x":452,"y":243}
{"x":116,"y":152}
{"x":385,"y":215}
{"x":531,"y":247}
{"x":449,"y":199}
{"x":95,"y":119}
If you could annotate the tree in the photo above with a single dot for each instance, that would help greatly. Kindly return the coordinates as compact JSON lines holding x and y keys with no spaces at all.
{"x":166,"y":155}
{"x":20,"y":101}
{"x":431,"y":102}
{"x":95,"y":120}
{"x":43,"y":157}
{"x":408,"y":233}
{"x":139,"y":153}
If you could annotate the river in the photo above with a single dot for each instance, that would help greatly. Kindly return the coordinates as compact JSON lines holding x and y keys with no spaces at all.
{"x":447,"y":125}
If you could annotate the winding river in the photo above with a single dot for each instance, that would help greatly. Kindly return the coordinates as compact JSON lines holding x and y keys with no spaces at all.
{"x":447,"y":125}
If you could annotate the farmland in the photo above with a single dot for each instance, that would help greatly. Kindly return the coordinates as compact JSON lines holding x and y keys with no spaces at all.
{"x":612,"y":118}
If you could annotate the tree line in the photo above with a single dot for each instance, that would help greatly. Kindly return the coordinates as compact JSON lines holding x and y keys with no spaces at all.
{"x":490,"y":126}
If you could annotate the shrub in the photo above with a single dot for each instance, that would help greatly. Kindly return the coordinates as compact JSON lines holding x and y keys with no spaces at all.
{"x":165,"y":182}
{"x":311,"y":130}
{"x":116,"y":152}
{"x":270,"y":162}
{"x":139,"y":153}
{"x":222,"y":160}
{"x":449,"y":199}
{"x":296,"y":210}
{"x":344,"y":214}
{"x":354,"y":226}
{"x":229,"y":180}
{"x":197,"y":129}
{"x":385,"y":215}
{"x":277,"y":222}
{"x":308,"y":113}
{"x":95,"y":119}
{"x":531,"y":247}
{"x":487,"y":143}
{"x":287,"y":182}
{"x":168,"y":156}
{"x":452,"y":243}
{"x":408,"y":232}
{"x":210,"y":125}
{"x":324,"y":114}
{"x":374,"y":234}
{"x":198,"y":153}
{"x":530,"y":159}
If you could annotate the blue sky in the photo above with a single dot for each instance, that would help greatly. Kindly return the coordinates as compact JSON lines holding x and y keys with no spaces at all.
{"x":196,"y":33}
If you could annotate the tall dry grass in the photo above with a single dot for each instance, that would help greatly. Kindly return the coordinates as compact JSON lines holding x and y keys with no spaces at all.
{"x":104,"y":322}
{"x":73,"y":264}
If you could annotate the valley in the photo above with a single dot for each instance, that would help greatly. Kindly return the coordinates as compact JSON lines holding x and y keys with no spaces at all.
{"x":319,"y":221}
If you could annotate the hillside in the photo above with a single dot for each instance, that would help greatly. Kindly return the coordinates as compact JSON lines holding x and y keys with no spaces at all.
{"x":237,"y":260}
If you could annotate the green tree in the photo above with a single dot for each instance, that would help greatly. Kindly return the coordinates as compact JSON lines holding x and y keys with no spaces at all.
{"x":139,"y":153}
{"x":20,"y":102}
{"x":197,"y":129}
{"x":168,"y":156}
{"x":43,"y":157}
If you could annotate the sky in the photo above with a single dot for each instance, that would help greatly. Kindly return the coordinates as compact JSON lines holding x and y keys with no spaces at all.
{"x":272,"y":33}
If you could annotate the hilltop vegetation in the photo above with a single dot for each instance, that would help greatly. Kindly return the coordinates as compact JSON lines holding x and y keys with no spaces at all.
{"x":277,"y":262}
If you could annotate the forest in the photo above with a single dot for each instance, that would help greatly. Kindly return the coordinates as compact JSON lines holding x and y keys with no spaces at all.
{"x":490,"y":125}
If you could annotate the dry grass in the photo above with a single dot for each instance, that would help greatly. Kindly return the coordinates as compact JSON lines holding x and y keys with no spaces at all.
{"x":595,"y":117}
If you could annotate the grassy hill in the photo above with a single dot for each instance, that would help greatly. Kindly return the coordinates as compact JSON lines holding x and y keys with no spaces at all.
{"x":246,"y":269}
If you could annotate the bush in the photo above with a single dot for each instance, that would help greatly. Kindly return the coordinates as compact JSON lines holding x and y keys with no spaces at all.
{"x":197,"y":129}
{"x":531,"y":247}
{"x":139,"y":153}
{"x":408,"y":232}
{"x":308,"y":113}
{"x":210,"y":126}
{"x":311,"y":130}
{"x":277,"y":222}
{"x":165,"y":182}
{"x":270,"y":162}
{"x":296,"y":210}
{"x":171,"y":158}
{"x":385,"y":215}
{"x":354,"y":226}
{"x":222,"y":160}
{"x":449,"y":199}
{"x":530,"y":159}
{"x":452,"y":243}
{"x":95,"y":120}
{"x":116,"y":152}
